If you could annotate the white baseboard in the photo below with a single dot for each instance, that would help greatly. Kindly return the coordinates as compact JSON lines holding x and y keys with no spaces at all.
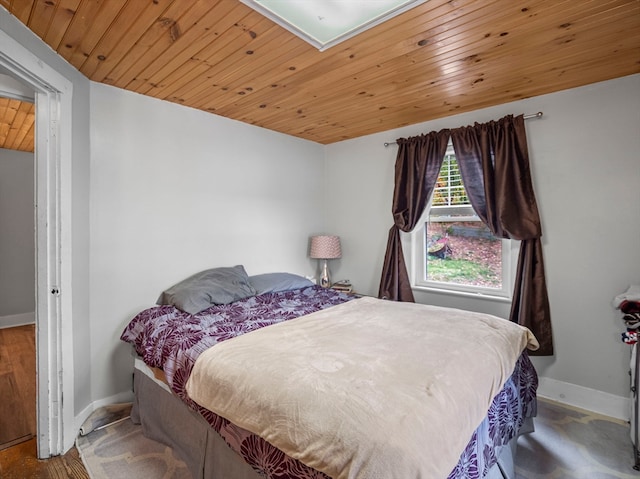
{"x":14,"y":320}
{"x":86,"y":412}
{"x":585,"y":398}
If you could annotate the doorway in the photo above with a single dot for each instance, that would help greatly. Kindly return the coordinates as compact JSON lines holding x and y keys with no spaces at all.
{"x":17,"y":264}
{"x":53,"y":315}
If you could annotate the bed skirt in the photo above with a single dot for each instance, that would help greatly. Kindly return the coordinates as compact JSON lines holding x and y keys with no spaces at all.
{"x":166,"y":419}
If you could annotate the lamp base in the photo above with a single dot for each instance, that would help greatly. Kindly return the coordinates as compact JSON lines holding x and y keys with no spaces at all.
{"x":325,"y":278}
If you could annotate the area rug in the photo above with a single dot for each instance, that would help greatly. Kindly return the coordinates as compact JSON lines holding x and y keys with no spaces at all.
{"x":113,"y":446}
{"x":570,"y":443}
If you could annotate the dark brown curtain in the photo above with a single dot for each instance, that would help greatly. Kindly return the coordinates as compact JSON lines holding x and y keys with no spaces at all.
{"x":417,"y":166}
{"x":494,"y":164}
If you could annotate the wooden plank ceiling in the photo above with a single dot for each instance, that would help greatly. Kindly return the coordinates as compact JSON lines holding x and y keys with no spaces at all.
{"x":440,"y":58}
{"x":16,"y":124}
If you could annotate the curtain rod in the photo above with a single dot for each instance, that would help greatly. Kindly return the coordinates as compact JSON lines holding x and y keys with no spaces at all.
{"x":526,"y":117}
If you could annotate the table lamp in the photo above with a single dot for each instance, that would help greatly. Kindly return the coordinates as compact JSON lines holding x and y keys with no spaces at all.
{"x":325,"y":247}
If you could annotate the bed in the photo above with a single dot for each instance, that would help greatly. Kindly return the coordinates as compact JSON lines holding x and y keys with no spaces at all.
{"x":191,"y":393}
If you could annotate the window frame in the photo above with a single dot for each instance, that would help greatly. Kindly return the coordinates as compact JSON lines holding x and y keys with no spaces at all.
{"x":416,"y":241}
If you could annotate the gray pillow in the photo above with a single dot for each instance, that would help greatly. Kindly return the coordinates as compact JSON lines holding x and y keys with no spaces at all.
{"x":209,"y":287}
{"x":275,"y":282}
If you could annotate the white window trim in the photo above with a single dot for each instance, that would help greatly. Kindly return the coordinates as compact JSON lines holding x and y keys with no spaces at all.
{"x":415,"y":243}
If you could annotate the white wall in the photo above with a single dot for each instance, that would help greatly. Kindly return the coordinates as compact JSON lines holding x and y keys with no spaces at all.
{"x":17,"y":258}
{"x":586,"y":172}
{"x":175,"y":191}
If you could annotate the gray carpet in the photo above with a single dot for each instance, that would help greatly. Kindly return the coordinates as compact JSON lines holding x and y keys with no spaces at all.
{"x":567,"y":444}
{"x":570,"y":443}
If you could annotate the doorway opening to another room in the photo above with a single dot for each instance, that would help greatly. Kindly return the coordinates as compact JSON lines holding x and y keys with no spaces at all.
{"x":54,"y":336}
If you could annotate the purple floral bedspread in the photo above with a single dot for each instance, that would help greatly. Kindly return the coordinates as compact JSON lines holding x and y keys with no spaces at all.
{"x":172,"y":340}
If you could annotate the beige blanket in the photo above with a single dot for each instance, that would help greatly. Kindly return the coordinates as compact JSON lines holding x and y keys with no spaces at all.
{"x":366,"y":389}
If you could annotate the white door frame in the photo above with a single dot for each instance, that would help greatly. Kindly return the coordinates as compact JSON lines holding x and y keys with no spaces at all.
{"x":54,"y":333}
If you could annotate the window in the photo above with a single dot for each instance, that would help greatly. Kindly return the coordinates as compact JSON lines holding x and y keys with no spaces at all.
{"x":453,"y":250}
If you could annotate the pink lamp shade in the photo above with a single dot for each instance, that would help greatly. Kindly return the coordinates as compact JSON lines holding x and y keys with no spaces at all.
{"x":325,"y":247}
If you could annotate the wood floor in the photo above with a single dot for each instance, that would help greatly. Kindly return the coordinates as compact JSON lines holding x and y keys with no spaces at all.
{"x":18,"y":456}
{"x":17,"y":385}
{"x":21,"y":462}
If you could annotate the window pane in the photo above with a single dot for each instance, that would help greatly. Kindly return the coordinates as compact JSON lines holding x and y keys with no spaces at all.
{"x":449,"y":189}
{"x":462,"y":252}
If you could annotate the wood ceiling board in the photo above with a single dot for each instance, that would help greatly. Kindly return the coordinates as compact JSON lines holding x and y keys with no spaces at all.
{"x":25,"y":133}
{"x":232,"y":75}
{"x":458,"y":103}
{"x":80,"y":31}
{"x":225,"y":27}
{"x":440,"y":58}
{"x":41,"y":17}
{"x":269,"y":78}
{"x":61,"y":19}
{"x":133,"y":21}
{"x":225,"y":59}
{"x":21,"y":9}
{"x":155,"y":41}
{"x":468,"y":74}
{"x":417,"y":60}
{"x":298,"y":71}
{"x":7,"y":115}
{"x":16,"y":124}
{"x":341,"y":72}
